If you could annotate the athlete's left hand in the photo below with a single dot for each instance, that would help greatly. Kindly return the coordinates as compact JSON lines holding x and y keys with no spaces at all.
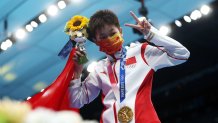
{"x":143,"y":26}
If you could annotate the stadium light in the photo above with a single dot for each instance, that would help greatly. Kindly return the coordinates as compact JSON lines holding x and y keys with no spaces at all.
{"x":205,"y":9}
{"x":178,"y":23}
{"x":42,"y":18}
{"x":61,"y":4}
{"x":165,"y":30}
{"x":20,"y":34}
{"x":52,"y":10}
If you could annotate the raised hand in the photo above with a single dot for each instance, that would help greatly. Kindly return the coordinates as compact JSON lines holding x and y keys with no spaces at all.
{"x":143,"y":26}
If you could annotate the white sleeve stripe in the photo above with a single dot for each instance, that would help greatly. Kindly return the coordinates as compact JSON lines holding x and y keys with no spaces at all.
{"x":171,"y":55}
{"x":87,"y":95}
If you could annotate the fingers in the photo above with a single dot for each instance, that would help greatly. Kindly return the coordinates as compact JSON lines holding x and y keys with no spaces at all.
{"x":82,"y":52}
{"x":78,"y":54}
{"x":146,"y":24}
{"x":135,"y":17}
{"x":75,"y":59}
{"x":142,"y":25}
{"x":133,"y":26}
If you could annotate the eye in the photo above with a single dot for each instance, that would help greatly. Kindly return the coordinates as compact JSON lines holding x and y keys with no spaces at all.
{"x":113,"y":33}
{"x":103,"y":37}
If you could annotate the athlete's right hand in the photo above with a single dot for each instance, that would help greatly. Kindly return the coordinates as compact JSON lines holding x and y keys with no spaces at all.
{"x":78,"y":68}
{"x":143,"y":26}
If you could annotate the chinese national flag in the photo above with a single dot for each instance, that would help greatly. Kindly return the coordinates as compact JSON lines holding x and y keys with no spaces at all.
{"x":56,"y":96}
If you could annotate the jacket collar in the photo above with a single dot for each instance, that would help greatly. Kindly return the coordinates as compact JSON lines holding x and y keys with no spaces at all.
{"x":114,"y":57}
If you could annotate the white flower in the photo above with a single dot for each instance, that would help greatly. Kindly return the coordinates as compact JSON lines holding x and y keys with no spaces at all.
{"x":40,"y":115}
{"x":43,"y":115}
{"x":67,"y":117}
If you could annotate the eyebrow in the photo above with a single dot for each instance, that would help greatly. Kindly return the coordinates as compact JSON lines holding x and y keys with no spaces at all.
{"x":102,"y":34}
{"x":111,"y":30}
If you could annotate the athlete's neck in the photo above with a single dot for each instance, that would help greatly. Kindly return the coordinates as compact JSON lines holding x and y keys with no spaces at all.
{"x":115,"y":56}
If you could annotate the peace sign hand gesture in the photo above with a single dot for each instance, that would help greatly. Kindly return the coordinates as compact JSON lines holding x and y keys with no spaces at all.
{"x":143,"y":26}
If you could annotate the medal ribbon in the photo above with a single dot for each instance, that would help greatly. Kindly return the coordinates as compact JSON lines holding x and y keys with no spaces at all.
{"x":122,"y":89}
{"x":122,"y":75}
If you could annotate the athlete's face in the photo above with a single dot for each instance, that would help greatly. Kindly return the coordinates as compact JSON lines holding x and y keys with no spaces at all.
{"x":106,"y":31}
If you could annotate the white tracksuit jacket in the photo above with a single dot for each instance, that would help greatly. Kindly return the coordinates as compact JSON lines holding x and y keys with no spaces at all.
{"x":142,"y":61}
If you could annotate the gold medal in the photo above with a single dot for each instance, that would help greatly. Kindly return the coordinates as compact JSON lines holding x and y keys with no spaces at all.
{"x":125,"y":114}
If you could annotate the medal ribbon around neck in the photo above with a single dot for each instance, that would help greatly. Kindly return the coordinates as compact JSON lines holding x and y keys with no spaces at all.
{"x":118,"y":92}
{"x":122,"y":75}
{"x":125,"y":114}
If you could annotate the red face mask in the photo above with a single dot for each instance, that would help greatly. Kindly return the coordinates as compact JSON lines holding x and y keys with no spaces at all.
{"x":111,"y":45}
